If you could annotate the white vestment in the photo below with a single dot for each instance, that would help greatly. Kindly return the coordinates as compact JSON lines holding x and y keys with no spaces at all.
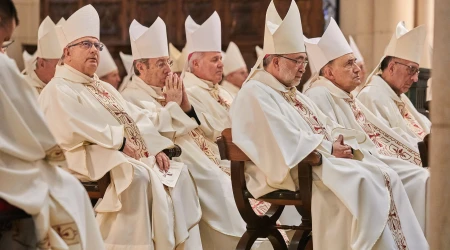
{"x":31,"y":180}
{"x":395,"y":111}
{"x":360,"y":203}
{"x":211,"y":103}
{"x":224,"y":225}
{"x":231,"y":88}
{"x":34,"y":81}
{"x":137,"y":210}
{"x":383,"y":142}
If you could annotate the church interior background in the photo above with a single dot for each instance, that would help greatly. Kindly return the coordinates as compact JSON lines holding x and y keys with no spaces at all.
{"x":371,"y":23}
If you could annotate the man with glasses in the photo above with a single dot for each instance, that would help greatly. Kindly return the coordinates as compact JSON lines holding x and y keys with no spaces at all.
{"x":331,"y":92}
{"x":356,"y":198}
{"x":156,"y":88}
{"x":234,"y":70}
{"x":384,"y":91}
{"x":31,"y":178}
{"x":48,"y":53}
{"x":151,"y":202}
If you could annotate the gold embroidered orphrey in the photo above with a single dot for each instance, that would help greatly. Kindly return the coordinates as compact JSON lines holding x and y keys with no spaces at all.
{"x":305,"y":112}
{"x":132,"y":132}
{"x":215,"y":93}
{"x":411,"y":122}
{"x":385,"y":143}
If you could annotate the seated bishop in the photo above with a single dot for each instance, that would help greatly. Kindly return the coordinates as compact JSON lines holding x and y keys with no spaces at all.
{"x":61,"y":215}
{"x":156,"y":88}
{"x":234,"y":70}
{"x":151,"y":202}
{"x":331,"y":92}
{"x":49,"y":51}
{"x":384,"y":91}
{"x":355,"y":197}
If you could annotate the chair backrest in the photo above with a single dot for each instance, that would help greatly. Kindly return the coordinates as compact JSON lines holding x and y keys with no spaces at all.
{"x":424,"y":150}
{"x":229,"y":150}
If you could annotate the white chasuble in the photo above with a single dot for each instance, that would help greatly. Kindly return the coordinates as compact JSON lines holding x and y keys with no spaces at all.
{"x":361,"y":202}
{"x":222,"y":224}
{"x":30,"y":179}
{"x":393,"y":150}
{"x":231,"y":88}
{"x":90,"y":119}
{"x":395,"y":111}
{"x":211,"y":102}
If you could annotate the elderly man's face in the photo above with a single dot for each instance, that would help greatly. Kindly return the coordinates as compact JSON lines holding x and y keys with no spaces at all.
{"x":112,"y":78}
{"x":154,"y":73}
{"x":237,"y":77}
{"x":362,"y":73}
{"x":82,"y":56}
{"x":344,"y":72}
{"x":45,"y":69}
{"x":403,"y":74}
{"x":209,"y":67}
{"x":289,"y":68}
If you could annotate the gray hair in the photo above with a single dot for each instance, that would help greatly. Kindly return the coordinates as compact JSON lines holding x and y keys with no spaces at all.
{"x":145,"y":61}
{"x":268,"y":60}
{"x":195,"y":56}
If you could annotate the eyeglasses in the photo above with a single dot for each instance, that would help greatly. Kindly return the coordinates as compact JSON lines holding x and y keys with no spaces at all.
{"x":297,"y":62}
{"x":88,"y":45}
{"x":161,"y":64}
{"x":411,"y":70}
{"x":6,"y":44}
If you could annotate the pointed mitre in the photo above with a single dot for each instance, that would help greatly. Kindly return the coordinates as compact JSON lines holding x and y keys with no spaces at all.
{"x":61,"y":21}
{"x":203,"y":38}
{"x":83,"y":23}
{"x":283,"y":36}
{"x":233,"y":59}
{"x":178,"y":57}
{"x":107,"y":64}
{"x":259,"y":53}
{"x":127,"y":61}
{"x":49,"y":40}
{"x":148,"y":42}
{"x":405,"y":44}
{"x":355,"y":50}
{"x":329,"y":47}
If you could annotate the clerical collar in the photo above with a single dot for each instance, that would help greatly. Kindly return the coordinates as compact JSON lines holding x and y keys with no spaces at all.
{"x":205,"y":84}
{"x":156,"y":92}
{"x":67,"y":72}
{"x":377,"y":80}
{"x":334,"y":90}
{"x":265,"y":77}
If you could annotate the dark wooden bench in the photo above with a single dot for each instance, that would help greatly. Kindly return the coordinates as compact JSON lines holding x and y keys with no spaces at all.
{"x":265,"y":226}
{"x":96,"y":189}
{"x":424,"y":150}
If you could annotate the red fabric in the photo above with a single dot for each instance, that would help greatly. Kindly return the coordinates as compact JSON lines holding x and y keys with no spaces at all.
{"x":189,"y":56}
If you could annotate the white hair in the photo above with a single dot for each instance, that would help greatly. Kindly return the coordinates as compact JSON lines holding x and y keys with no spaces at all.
{"x":194,"y":56}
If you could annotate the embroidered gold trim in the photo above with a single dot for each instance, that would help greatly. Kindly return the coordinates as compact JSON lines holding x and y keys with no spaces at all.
{"x":132,"y":132}
{"x":385,"y":143}
{"x":306,"y":113}
{"x":55,"y":154}
{"x":215,"y":93}
{"x":68,"y":232}
{"x":411,"y":122}
{"x":393,"y":220}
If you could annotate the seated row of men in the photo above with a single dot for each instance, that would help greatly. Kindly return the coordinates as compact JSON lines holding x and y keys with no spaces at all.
{"x":369,"y":188}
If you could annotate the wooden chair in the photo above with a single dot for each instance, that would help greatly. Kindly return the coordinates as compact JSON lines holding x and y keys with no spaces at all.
{"x":424,"y":150}
{"x":265,"y":226}
{"x":96,"y":189}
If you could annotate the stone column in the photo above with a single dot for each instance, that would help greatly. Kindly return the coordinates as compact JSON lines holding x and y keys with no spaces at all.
{"x":438,"y":229}
{"x":425,"y":16}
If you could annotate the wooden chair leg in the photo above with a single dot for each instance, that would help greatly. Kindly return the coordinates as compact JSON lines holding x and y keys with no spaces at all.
{"x":277,"y":240}
{"x":300,"y":239}
{"x":247,"y":240}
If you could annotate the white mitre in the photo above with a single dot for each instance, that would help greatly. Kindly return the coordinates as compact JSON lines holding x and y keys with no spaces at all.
{"x":148,"y":42}
{"x":281,"y":36}
{"x":259,"y":52}
{"x":127,"y":61}
{"x":49,"y":40}
{"x":233,"y":59}
{"x":179,"y":58}
{"x":405,"y":44}
{"x":107,"y":64}
{"x":204,"y":38}
{"x":85,"y":22}
{"x":61,"y":21}
{"x":330,"y":46}
{"x":355,"y":49}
